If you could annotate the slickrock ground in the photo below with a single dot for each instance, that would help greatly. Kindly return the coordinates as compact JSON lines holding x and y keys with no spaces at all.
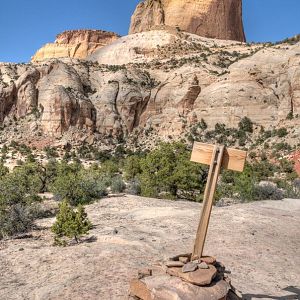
{"x":259,"y":242}
{"x":221,"y":19}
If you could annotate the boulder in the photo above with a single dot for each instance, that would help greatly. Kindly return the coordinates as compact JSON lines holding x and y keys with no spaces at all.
{"x":165,"y":287}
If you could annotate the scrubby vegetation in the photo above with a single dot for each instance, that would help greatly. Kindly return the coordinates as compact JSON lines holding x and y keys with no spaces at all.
{"x":165,"y":172}
{"x":70,"y":223}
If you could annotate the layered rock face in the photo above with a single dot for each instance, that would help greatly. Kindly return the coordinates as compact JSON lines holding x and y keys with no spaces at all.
{"x":75,"y":44}
{"x":134,"y":88}
{"x":220,"y":19}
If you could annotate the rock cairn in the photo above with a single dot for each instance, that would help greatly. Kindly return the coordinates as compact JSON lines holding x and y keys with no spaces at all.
{"x":183,"y":278}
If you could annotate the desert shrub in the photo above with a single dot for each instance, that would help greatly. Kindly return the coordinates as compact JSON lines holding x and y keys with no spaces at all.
{"x":131,"y":167}
{"x":290,"y":116}
{"x":102,"y":156}
{"x":70,"y":223}
{"x":134,"y":187}
{"x":202,"y":124}
{"x":282,"y":132}
{"x":3,"y":170}
{"x":268,"y":191}
{"x":228,"y":176}
{"x":291,"y":190}
{"x":16,"y":218}
{"x":168,"y":172}
{"x":110,"y":168}
{"x":78,"y":186}
{"x":286,"y":166}
{"x":246,"y":125}
{"x":117,"y":185}
{"x":220,"y":128}
{"x":296,"y":188}
{"x":18,"y":196}
{"x":19,"y":187}
{"x":119,"y":152}
{"x":50,"y":152}
{"x":224,"y":190}
{"x":297,"y":183}
{"x":47,"y":174}
{"x":244,"y":185}
{"x":282,"y":146}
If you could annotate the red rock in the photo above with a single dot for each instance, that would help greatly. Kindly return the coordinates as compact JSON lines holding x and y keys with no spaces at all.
{"x":200,"y":277}
{"x":172,"y":263}
{"x":210,"y":260}
{"x":184,"y":259}
{"x":166,"y":287}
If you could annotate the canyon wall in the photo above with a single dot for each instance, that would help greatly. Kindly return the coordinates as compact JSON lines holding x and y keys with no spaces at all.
{"x":220,"y":19}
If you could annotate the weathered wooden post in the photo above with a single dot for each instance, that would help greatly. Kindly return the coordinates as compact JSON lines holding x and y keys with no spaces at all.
{"x":217,"y":156}
{"x":183,"y":276}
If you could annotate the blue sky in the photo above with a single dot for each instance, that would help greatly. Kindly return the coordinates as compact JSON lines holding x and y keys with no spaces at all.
{"x":25,"y":25}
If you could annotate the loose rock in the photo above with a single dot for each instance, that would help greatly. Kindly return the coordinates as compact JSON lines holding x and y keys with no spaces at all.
{"x":210,"y":260}
{"x":172,"y":263}
{"x":203,"y":265}
{"x":184,"y":259}
{"x":189,"y":267}
{"x":199,"y":277}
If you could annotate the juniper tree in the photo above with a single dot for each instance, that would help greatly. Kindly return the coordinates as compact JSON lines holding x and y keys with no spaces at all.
{"x":70,"y":223}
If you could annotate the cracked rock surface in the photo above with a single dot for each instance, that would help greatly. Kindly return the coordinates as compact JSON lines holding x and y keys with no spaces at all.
{"x":258,"y":242}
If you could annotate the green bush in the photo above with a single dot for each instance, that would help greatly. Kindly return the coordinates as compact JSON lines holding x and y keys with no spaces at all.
{"x":70,"y":223}
{"x":18,"y":196}
{"x":20,"y":186}
{"x":167,"y":172}
{"x":244,"y":185}
{"x":202,"y":125}
{"x":246,"y":125}
{"x":118,"y":185}
{"x":110,"y":168}
{"x":268,"y":191}
{"x":282,"y":132}
{"x":134,"y":187}
{"x":15,"y":219}
{"x":50,"y":152}
{"x":131,"y":167}
{"x":78,"y":186}
{"x":3,"y":170}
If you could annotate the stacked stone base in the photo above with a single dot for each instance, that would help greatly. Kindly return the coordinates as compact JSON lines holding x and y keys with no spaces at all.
{"x":181,"y":278}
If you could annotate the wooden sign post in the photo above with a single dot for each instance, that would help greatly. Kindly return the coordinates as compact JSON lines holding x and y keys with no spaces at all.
{"x":217,"y":157}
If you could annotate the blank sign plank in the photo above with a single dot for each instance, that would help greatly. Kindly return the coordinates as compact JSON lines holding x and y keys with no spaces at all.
{"x":233,"y":159}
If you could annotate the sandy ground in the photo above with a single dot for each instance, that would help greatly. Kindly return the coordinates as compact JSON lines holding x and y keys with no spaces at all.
{"x":258,"y":242}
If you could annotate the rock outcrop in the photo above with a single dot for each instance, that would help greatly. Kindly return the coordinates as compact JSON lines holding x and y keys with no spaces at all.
{"x":134,"y":88}
{"x":150,"y":230}
{"x":75,"y":44}
{"x":220,"y":19}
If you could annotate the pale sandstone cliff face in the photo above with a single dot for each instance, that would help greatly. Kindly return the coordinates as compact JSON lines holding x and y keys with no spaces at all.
{"x":220,"y":19}
{"x":75,"y":44}
{"x":166,"y":90}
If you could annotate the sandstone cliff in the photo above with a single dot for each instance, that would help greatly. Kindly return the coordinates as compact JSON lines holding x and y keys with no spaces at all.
{"x":75,"y":44}
{"x":220,"y":19}
{"x":132,"y":88}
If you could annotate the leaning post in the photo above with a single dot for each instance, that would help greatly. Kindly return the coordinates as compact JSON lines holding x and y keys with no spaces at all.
{"x":217,"y":157}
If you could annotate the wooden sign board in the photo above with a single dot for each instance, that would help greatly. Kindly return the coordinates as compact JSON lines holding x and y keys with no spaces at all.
{"x":233,"y":159}
{"x":217,"y":156}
